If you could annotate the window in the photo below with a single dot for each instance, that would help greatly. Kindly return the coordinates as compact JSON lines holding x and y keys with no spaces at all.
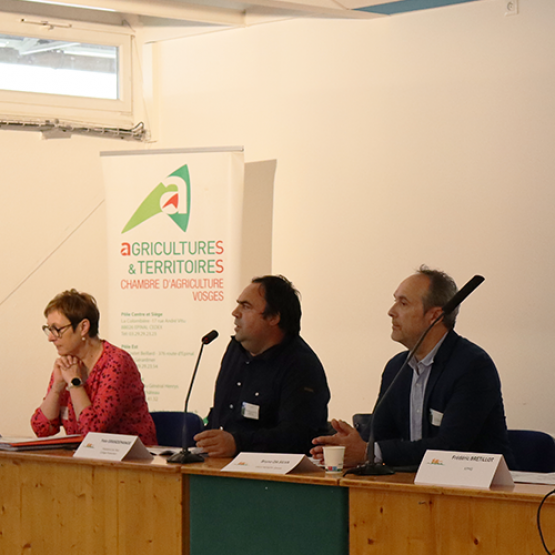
{"x":32,"y":64}
{"x":65,"y":69}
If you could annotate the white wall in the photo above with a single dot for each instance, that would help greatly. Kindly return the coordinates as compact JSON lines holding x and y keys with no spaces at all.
{"x":52,"y":237}
{"x":425,"y":137}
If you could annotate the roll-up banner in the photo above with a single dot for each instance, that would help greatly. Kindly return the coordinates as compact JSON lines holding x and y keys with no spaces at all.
{"x":174,"y":229}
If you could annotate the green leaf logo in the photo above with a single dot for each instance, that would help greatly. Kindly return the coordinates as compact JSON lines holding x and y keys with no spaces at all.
{"x":171,"y":197}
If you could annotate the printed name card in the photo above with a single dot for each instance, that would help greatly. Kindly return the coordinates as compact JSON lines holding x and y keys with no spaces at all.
{"x":112,"y":447}
{"x":452,"y":468}
{"x":270,"y":463}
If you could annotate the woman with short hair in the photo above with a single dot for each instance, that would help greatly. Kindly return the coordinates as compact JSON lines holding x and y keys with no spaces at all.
{"x":94,"y":386}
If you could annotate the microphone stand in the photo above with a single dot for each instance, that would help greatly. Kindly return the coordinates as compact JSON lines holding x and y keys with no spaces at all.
{"x":185,"y":456}
{"x":370,"y":467}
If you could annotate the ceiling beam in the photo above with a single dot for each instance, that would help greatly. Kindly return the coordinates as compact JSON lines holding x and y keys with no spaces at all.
{"x":315,"y":9}
{"x":165,"y":9}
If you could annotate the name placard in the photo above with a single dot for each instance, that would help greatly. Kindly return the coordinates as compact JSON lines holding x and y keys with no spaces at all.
{"x":270,"y":463}
{"x":453,"y":468}
{"x":112,"y":447}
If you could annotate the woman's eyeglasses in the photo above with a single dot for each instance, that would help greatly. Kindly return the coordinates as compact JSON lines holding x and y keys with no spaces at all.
{"x":56,"y":332}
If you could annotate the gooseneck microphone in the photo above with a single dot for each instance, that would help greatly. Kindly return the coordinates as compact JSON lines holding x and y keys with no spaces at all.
{"x":185,"y":456}
{"x":369,"y":467}
{"x":209,"y":337}
{"x":461,"y":295}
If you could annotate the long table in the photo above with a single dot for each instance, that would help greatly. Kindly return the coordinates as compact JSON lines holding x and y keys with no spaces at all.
{"x":51,"y":503}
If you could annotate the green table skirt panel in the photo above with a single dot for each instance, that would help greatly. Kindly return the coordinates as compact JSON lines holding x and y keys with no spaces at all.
{"x":235,"y":516}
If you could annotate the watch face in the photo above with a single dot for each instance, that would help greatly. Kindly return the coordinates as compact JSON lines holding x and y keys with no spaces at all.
{"x":76,"y":382}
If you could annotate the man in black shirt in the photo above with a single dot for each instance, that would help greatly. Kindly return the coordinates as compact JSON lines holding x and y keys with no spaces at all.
{"x":271,"y":393}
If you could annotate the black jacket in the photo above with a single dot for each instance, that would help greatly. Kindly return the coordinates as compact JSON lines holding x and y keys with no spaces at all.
{"x":464,"y":387}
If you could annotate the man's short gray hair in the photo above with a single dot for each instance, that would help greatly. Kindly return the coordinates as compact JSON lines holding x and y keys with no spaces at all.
{"x":441,"y":290}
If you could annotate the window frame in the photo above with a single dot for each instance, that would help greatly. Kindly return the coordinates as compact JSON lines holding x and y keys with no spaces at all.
{"x":66,"y":106}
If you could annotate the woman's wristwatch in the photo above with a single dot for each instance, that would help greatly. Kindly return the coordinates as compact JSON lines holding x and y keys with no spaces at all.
{"x":75,"y":382}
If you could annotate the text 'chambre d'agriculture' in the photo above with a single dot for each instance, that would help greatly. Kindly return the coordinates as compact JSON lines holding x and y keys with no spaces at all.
{"x":170,"y":259}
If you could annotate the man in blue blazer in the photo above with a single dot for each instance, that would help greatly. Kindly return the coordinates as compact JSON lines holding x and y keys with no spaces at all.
{"x":448,"y":398}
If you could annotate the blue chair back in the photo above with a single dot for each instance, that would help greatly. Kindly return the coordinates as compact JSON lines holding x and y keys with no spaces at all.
{"x":533,"y":451}
{"x":169,"y":427}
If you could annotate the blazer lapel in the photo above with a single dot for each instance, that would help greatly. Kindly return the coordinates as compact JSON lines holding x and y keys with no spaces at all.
{"x":440,"y":360}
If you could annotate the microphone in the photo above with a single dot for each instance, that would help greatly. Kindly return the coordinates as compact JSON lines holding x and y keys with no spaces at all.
{"x":461,"y":295}
{"x":185,"y":456}
{"x":209,"y":337}
{"x":369,"y":467}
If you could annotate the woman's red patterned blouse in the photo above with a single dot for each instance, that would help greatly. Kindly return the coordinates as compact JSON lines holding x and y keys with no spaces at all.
{"x":118,"y":400}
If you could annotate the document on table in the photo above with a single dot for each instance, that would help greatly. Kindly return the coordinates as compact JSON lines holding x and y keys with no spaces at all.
{"x":534,"y":477}
{"x":35,"y":443}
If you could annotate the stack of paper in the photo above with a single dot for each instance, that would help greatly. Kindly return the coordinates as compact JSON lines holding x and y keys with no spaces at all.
{"x":32,"y":444}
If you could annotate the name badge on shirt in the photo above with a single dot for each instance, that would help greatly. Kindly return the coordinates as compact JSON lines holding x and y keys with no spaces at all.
{"x":436,"y":417}
{"x":250,"y":411}
{"x":64,"y":413}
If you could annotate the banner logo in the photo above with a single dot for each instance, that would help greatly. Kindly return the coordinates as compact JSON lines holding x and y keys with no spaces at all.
{"x":171,"y":197}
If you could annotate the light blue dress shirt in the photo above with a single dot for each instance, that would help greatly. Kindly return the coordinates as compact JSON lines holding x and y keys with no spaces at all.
{"x":421,"y":373}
